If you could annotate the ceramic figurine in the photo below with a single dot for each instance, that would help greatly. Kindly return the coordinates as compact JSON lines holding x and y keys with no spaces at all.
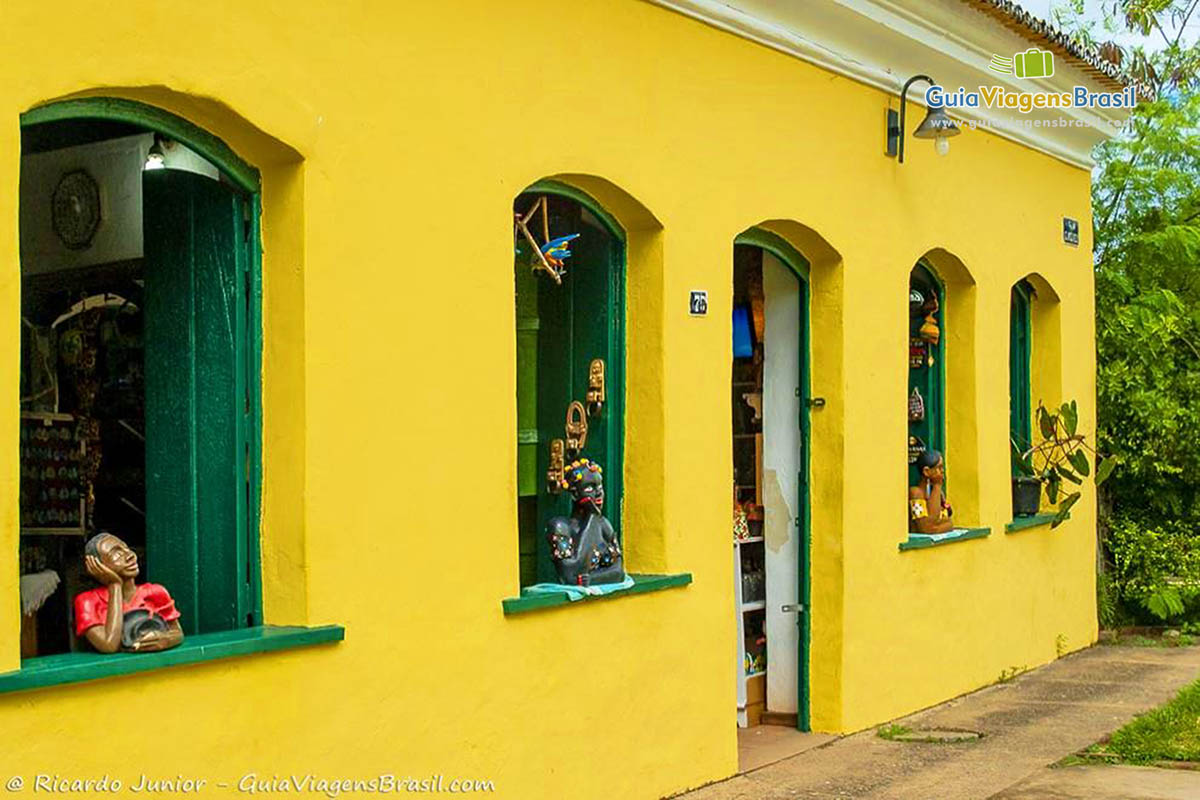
{"x":584,"y":546}
{"x":929,"y":509}
{"x":556,"y":250}
{"x":123,"y":615}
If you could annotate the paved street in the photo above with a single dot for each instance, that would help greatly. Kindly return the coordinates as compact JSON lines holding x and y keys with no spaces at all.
{"x":1028,"y":724}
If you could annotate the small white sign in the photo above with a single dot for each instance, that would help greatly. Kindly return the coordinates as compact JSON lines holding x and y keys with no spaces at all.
{"x":698,"y":303}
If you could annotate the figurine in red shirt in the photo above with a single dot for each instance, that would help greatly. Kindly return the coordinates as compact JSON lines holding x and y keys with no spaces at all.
{"x":122,"y":615}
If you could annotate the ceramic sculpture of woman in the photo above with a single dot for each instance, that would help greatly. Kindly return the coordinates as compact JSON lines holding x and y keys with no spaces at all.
{"x":929,"y":510}
{"x":584,"y":546}
{"x":121,"y":614}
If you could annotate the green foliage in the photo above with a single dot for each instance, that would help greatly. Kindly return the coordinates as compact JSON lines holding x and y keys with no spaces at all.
{"x":892,"y":731}
{"x":1108,"y":602}
{"x":1156,"y":568}
{"x":1008,"y":673}
{"x":1168,"y":733}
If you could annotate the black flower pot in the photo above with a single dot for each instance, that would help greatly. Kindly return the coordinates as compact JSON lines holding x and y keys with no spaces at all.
{"x":1026,"y":496}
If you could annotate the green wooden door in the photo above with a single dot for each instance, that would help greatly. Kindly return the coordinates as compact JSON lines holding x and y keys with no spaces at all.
{"x":197,"y":408}
{"x":560,"y":329}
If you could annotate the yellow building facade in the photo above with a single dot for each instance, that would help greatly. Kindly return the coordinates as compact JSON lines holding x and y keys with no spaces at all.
{"x":391,"y":141}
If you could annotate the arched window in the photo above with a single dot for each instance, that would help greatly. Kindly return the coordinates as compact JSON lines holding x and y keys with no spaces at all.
{"x":146,"y":331}
{"x":927,"y":366}
{"x":564,"y":326}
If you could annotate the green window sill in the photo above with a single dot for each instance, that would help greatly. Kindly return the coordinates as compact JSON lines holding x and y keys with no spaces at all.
{"x":36,"y":673}
{"x":919,"y":541}
{"x":641,"y":585}
{"x":1025,"y":523}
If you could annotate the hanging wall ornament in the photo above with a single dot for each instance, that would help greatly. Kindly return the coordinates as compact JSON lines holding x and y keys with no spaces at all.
{"x":596,"y":391}
{"x":916,"y":406}
{"x":915,"y":448}
{"x":917,"y":349}
{"x":930,"y":331}
{"x":577,"y":428}
{"x":916,"y":301}
{"x":556,"y":479}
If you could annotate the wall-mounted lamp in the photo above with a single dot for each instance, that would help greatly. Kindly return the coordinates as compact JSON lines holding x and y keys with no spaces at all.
{"x":155,"y":159}
{"x":937,"y":125}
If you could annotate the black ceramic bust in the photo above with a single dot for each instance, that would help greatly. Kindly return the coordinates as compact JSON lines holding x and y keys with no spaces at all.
{"x":584,"y":546}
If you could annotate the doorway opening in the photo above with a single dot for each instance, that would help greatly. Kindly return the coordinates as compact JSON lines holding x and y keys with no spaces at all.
{"x":770,"y":483}
{"x":139,"y":370}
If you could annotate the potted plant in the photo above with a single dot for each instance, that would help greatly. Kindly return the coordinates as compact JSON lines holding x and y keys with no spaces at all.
{"x":1062,"y":454}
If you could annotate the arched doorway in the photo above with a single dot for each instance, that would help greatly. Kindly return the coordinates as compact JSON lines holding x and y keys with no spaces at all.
{"x":141,"y":354}
{"x":770,"y":383}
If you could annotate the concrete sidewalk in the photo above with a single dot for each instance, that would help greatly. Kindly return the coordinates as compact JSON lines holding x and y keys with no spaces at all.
{"x":1028,"y":724}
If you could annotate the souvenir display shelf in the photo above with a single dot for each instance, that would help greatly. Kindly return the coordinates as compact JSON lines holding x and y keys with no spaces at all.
{"x":49,"y":444}
{"x":748,"y":543}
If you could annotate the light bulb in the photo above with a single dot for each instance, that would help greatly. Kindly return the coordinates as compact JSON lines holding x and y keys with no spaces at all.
{"x":154,"y":161}
{"x":942,"y":145}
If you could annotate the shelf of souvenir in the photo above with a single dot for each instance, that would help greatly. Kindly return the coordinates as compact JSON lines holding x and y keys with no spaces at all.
{"x":54,"y":491}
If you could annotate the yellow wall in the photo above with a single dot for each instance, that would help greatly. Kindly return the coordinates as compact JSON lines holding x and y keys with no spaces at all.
{"x":392,"y":139}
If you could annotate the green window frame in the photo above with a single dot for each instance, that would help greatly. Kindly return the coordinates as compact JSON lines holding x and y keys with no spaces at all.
{"x":237,"y":628}
{"x":1020,"y":356}
{"x":930,"y":380}
{"x":538,"y":419}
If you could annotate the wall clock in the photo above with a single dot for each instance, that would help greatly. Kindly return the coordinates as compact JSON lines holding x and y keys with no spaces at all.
{"x":75,"y":209}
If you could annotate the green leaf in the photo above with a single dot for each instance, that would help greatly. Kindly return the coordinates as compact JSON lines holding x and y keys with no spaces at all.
{"x":1046,"y":423}
{"x":1052,"y":484}
{"x":1105,"y":468}
{"x":1164,"y":603}
{"x":1068,"y":474}
{"x":1079,"y":461}
{"x":1070,"y":417}
{"x":1064,"y":509}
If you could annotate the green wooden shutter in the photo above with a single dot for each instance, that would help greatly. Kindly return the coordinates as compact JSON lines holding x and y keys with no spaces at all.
{"x":1020,"y":406}
{"x":196,"y":402}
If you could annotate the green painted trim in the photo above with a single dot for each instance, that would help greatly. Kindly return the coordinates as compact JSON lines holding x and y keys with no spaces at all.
{"x":921,"y":543}
{"x":56,"y":670}
{"x":118,"y":109}
{"x":587,"y":201}
{"x":777,"y":246}
{"x":1025,"y":523}
{"x":254,"y":436}
{"x":641,"y":585}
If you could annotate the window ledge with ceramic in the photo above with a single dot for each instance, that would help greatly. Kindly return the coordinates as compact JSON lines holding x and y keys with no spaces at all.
{"x":569,"y":274}
{"x":67,"y":668}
